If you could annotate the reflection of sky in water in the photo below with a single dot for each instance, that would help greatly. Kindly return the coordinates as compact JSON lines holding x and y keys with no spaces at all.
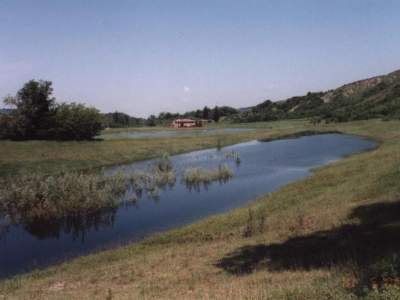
{"x":169,"y":133}
{"x":264,"y":167}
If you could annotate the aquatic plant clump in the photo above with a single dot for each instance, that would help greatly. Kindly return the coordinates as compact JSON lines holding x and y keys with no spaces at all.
{"x":234,"y":156}
{"x":39,"y":197}
{"x":197,"y":176}
{"x":164,"y":163}
{"x":45,"y":197}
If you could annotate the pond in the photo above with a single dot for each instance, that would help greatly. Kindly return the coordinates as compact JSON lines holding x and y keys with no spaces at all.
{"x":169,"y":133}
{"x":263,"y":168}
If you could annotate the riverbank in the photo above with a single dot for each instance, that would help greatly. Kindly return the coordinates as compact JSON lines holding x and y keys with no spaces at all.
{"x":20,"y":157}
{"x":314,"y":239}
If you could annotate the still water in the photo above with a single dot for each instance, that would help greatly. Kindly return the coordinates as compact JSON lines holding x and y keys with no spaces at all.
{"x":264,"y":167}
{"x":169,"y":133}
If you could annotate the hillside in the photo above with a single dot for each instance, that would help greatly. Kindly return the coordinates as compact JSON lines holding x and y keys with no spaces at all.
{"x":364,"y":99}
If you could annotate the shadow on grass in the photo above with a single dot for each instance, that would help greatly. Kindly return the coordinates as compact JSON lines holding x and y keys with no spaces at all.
{"x":376,"y":236}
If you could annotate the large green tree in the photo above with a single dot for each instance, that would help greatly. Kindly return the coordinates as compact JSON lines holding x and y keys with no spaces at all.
{"x":34,"y":109}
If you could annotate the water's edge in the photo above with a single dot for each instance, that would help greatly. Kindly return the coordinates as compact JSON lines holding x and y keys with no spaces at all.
{"x":152,"y":237}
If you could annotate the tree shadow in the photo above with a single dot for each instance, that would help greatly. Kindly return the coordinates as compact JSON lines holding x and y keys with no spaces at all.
{"x":376,"y":235}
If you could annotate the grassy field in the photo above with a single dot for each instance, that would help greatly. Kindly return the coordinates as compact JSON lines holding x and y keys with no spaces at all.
{"x":52,"y":156}
{"x":330,"y":236}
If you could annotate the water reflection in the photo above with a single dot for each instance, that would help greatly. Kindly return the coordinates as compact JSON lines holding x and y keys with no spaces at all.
{"x":75,"y":226}
{"x":4,"y":229}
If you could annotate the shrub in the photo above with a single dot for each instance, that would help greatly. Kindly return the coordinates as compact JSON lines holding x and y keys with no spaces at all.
{"x":76,"y":122}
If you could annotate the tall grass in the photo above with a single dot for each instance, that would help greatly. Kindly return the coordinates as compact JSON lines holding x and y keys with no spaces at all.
{"x":29,"y":198}
{"x":44,"y":197}
{"x":195,"y":177}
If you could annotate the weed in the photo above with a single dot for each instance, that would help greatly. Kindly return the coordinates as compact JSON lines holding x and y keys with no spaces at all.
{"x":255,"y":222}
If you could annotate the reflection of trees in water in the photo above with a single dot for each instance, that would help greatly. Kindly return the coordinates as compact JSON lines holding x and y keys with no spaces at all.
{"x":4,"y":229}
{"x":198,"y":186}
{"x":76,"y":225}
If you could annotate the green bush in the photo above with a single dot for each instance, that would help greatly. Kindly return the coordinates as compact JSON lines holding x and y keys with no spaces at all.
{"x":76,"y":122}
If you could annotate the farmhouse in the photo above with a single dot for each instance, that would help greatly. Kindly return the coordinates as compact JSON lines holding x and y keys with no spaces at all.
{"x":186,"y":123}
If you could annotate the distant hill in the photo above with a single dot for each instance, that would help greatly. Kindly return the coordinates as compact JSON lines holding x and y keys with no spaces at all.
{"x":369,"y":98}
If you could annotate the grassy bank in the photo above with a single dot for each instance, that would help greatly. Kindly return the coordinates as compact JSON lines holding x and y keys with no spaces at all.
{"x":53,"y":156}
{"x":330,"y":236}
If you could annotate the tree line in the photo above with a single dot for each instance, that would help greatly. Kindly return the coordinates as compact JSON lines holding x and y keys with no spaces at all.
{"x":214,"y":114}
{"x":33,"y":113}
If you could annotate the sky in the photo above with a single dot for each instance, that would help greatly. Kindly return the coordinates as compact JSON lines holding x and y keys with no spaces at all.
{"x":145,"y":57}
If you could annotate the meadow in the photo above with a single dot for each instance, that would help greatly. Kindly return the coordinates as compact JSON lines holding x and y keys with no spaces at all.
{"x":48,"y":157}
{"x":333,"y":235}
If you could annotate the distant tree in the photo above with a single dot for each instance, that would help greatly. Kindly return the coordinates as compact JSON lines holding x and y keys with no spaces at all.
{"x":198,"y":114}
{"x":227,"y":111}
{"x":151,"y":121}
{"x":206,"y":113}
{"x":119,"y":119}
{"x":216,"y":114}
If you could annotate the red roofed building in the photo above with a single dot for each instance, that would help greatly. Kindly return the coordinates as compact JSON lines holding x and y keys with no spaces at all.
{"x":186,"y":123}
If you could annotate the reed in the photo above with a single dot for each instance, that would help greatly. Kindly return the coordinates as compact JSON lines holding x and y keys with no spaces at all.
{"x":233,"y":155}
{"x":29,"y":198}
{"x":194,"y":177}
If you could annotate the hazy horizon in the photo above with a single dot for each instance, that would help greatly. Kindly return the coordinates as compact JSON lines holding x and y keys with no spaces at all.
{"x":145,"y":57}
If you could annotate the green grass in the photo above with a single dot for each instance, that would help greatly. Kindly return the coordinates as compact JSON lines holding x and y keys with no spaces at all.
{"x":329,"y":236}
{"x":53,"y":156}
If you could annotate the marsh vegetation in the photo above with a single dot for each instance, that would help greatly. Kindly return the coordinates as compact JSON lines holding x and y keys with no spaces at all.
{"x":195,"y":177}
{"x":31,"y":198}
{"x":330,"y":236}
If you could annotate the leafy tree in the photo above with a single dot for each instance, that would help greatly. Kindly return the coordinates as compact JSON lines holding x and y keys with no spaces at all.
{"x":198,"y":114}
{"x":151,"y":121}
{"x":34,"y":109}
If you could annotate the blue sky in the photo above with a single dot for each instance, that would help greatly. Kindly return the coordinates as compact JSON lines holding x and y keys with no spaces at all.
{"x":144,"y":57}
